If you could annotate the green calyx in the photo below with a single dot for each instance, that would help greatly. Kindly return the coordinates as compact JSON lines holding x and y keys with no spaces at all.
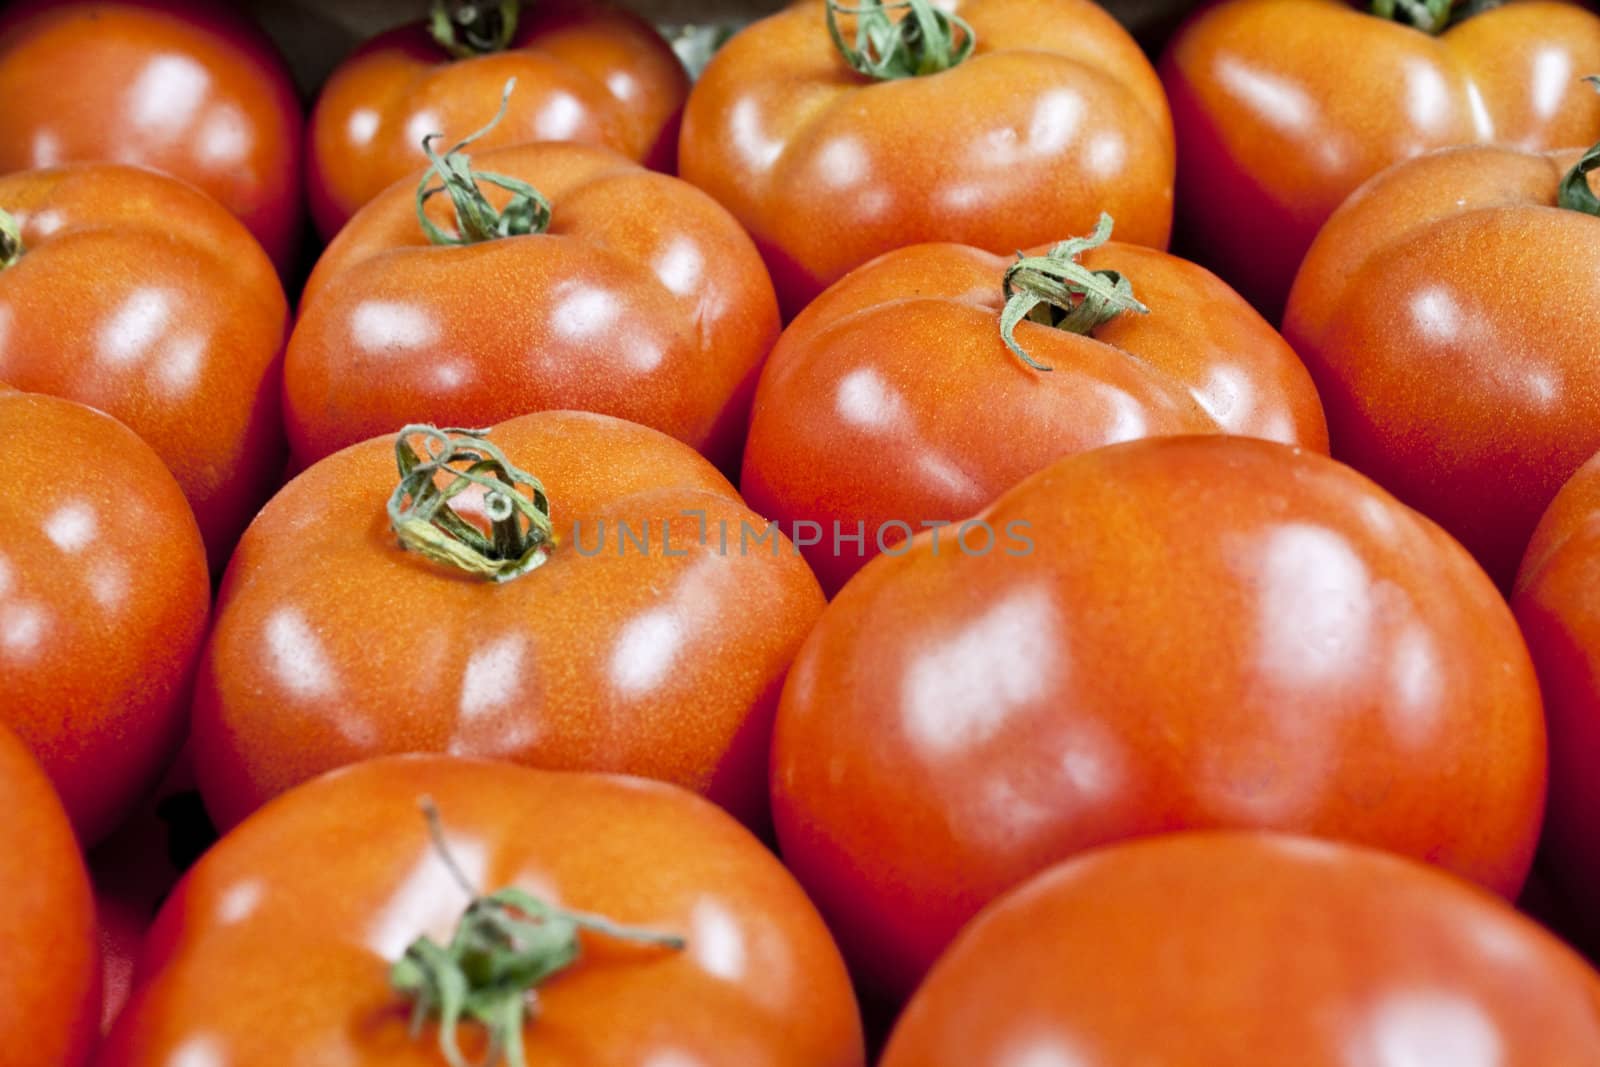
{"x":521,"y":534}
{"x":10,"y":240}
{"x":925,"y":40}
{"x":1056,"y":290}
{"x":1429,"y":16}
{"x":503,"y":948}
{"x":467,"y":28}
{"x":1575,"y":193}
{"x":527,"y":212}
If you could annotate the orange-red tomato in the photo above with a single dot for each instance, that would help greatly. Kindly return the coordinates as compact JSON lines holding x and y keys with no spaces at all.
{"x":892,"y":401}
{"x":643,"y":300}
{"x":1274,"y":132}
{"x":275,"y":948}
{"x":653,"y":641}
{"x":185,"y":87}
{"x":1181,"y":632}
{"x":1448,"y":314}
{"x":1055,"y":117}
{"x":142,"y":297}
{"x":586,"y":71}
{"x":103,"y":600}
{"x":49,"y":961}
{"x":1251,"y":948}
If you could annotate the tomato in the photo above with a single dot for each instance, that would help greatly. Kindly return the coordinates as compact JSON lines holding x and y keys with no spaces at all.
{"x":276,"y":947}
{"x":1055,"y":117}
{"x":188,"y":88}
{"x":586,"y":72}
{"x":1448,"y":316}
{"x":138,"y":295}
{"x":103,"y":600}
{"x":643,"y":299}
{"x":49,"y":968}
{"x":1181,"y":632}
{"x":892,"y":402}
{"x":1272,"y":136}
{"x":652,"y":640}
{"x":1251,"y":948}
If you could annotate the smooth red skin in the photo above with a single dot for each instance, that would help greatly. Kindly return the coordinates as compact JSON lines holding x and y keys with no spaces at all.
{"x":892,"y":397}
{"x":276,"y":947}
{"x":192,"y":89}
{"x":50,"y":966}
{"x":140,"y":296}
{"x":644,"y":300}
{"x":1056,"y":117}
{"x":1272,"y":136}
{"x":585,"y":71}
{"x":1448,"y":316}
{"x":1225,"y":948}
{"x":333,"y":645}
{"x":104,"y":593}
{"x":1209,"y":632}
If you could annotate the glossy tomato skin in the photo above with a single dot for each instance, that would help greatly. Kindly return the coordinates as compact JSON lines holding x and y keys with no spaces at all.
{"x":185,"y":87}
{"x":104,"y":593}
{"x":50,"y":969}
{"x":297,"y":914}
{"x":1272,"y":136}
{"x":893,"y":399}
{"x":1226,"y":948}
{"x":644,"y":300}
{"x":1449,"y":321}
{"x":1056,"y":117}
{"x":662,"y":659}
{"x":142,"y":297}
{"x":1171,"y":633}
{"x":586,"y":72}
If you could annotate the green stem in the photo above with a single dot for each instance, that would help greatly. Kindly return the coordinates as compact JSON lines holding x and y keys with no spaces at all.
{"x":467,"y":28}
{"x":10,"y":240}
{"x":503,"y":948}
{"x":925,"y":40}
{"x":1429,"y":16}
{"x":521,"y":534}
{"x":1056,"y":290}
{"x":1576,"y":193}
{"x":527,"y":212}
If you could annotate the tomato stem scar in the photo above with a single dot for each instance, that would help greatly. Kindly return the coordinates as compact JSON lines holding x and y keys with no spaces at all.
{"x":10,"y":240}
{"x":467,"y":28}
{"x":1429,"y":16}
{"x":925,"y":40}
{"x":527,"y":212}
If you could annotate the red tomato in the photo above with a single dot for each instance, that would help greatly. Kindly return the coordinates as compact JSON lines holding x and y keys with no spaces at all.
{"x":1273,"y":132}
{"x":49,"y":962}
{"x":653,"y":641}
{"x":643,"y":300}
{"x":276,"y":947}
{"x":1251,"y":948}
{"x":140,"y":296}
{"x":1171,"y":633}
{"x":188,"y":88}
{"x":103,"y":600}
{"x":586,"y":72}
{"x":1449,"y":320}
{"x":892,"y":402}
{"x":1056,"y":117}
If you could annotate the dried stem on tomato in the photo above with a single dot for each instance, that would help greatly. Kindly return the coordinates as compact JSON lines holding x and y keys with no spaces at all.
{"x":527,"y":212}
{"x":922,"y":40}
{"x":1576,"y":194}
{"x":1056,"y":290}
{"x":467,"y":28}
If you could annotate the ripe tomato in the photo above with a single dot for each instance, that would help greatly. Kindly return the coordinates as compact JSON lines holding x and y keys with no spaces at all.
{"x":586,"y":72}
{"x":103,"y":600}
{"x":1251,"y":948}
{"x":1272,"y":136}
{"x":892,"y":402}
{"x":50,"y":964}
{"x":1164,"y":634}
{"x":138,"y":295}
{"x":643,"y":299}
{"x":188,"y":88}
{"x":653,"y":640}
{"x":275,"y":948}
{"x":1450,"y":325}
{"x":1055,"y":117}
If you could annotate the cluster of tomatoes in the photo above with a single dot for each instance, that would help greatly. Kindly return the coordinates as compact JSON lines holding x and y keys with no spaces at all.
{"x":396,"y":675}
